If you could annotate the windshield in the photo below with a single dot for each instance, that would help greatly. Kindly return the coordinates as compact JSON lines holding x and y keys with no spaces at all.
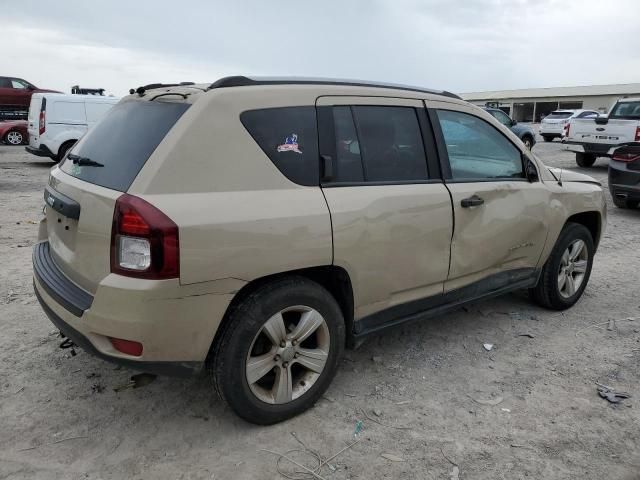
{"x":626,"y":110}
{"x":113,"y":152}
{"x":559,"y":115}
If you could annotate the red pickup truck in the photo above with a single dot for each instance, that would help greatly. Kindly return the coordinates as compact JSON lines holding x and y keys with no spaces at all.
{"x":15,"y":96}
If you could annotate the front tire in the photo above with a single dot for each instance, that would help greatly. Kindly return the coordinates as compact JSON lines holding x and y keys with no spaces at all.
{"x":585,"y":160}
{"x":566,"y":273}
{"x":279,"y":350}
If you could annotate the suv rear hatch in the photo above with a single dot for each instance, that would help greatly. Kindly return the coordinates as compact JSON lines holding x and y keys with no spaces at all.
{"x":82,"y":192}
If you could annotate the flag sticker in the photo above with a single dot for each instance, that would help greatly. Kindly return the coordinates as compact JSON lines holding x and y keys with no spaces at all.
{"x":290,"y":144}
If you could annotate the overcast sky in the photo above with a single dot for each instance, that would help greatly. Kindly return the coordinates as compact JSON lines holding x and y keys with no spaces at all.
{"x":462,"y":46}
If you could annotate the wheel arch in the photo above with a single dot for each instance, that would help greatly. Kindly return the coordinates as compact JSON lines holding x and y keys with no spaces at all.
{"x":592,"y":220}
{"x":335,"y":279}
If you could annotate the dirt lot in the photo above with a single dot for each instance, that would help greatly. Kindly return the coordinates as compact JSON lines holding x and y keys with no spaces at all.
{"x":61,"y":419}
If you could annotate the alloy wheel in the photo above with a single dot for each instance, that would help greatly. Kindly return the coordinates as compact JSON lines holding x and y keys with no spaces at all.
{"x":14,"y":138}
{"x":288,"y":355}
{"x":573,"y":267}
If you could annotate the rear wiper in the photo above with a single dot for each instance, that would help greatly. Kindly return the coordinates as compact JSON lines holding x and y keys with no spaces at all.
{"x":83,"y":161}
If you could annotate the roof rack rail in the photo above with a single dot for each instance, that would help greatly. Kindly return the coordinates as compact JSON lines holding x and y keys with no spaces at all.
{"x":77,"y":90}
{"x":140,"y":90}
{"x":242,"y":81}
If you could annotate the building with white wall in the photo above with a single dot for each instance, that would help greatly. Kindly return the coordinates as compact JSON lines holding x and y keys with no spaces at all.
{"x":532,"y":104}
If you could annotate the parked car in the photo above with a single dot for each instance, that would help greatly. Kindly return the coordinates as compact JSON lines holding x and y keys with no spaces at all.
{"x":552,"y":126}
{"x":15,"y":96}
{"x":57,"y":121}
{"x":524,"y":132}
{"x":624,"y":176}
{"x":591,"y":138}
{"x":14,"y":132}
{"x":256,"y":227}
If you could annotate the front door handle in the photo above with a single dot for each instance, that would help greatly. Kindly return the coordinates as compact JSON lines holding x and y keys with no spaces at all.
{"x":472,"y":201}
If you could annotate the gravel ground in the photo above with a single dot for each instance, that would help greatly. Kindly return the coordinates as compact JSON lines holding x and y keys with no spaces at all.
{"x":61,"y":419}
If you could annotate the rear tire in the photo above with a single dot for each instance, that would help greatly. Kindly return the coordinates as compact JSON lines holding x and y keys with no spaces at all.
{"x":551,"y":292}
{"x":64,"y":148}
{"x":14,"y":137}
{"x":528,"y":142}
{"x":547,"y":138}
{"x":585,"y":160}
{"x":262,"y":330}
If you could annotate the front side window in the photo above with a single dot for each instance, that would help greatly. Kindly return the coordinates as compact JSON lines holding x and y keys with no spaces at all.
{"x":379,"y":144}
{"x":289,"y":137}
{"x":501,"y":117}
{"x":476,"y":150}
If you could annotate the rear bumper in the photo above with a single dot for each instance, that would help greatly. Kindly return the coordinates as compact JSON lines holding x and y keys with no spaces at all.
{"x":599,"y":149}
{"x":175,"y":324}
{"x":41,"y":151}
{"x":623,"y":182}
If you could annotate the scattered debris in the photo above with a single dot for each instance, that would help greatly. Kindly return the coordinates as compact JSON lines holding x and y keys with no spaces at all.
{"x":377,"y":412}
{"x":18,"y":391}
{"x":329,"y":399}
{"x":376,"y":359}
{"x":97,"y":388}
{"x":506,"y":410}
{"x":612,"y":325}
{"x":358,"y":429}
{"x":369,"y":417}
{"x":350,"y":395}
{"x":137,"y":381}
{"x":526,"y":335}
{"x":455,"y":473}
{"x":488,"y":346}
{"x":611,"y":395}
{"x":404,"y":402}
{"x":491,"y":402}
{"x":447,"y":458}
{"x":391,"y":457}
{"x":518,"y":445}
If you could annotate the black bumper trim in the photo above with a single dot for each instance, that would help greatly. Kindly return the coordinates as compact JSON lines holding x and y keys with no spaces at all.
{"x":173,"y":369}
{"x":56,"y":284}
{"x":41,"y":151}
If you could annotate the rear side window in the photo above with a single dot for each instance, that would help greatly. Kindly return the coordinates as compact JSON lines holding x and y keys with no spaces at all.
{"x":289,"y":137}
{"x":122,"y":142}
{"x":378,"y":144}
{"x":626,"y":110}
{"x":66,"y":112}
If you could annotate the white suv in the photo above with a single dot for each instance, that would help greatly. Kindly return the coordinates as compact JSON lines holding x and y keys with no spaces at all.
{"x":553,"y":124}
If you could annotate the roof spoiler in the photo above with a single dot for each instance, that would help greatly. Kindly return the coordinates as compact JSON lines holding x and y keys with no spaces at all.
{"x":140,"y":90}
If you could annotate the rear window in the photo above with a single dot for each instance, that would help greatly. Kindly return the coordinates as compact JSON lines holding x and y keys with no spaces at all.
{"x":289,"y":137}
{"x":626,"y":110}
{"x":559,"y":115}
{"x":122,"y":142}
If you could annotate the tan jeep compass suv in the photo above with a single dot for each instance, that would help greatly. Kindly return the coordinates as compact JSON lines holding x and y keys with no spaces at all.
{"x":259,"y":226}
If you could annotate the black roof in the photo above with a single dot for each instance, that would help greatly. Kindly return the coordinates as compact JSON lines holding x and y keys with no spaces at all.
{"x":242,"y":81}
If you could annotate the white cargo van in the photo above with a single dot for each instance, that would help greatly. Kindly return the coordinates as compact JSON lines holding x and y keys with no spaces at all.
{"x":57,"y":121}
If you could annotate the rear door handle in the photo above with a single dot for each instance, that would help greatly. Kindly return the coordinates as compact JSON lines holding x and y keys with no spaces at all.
{"x":472,"y":201}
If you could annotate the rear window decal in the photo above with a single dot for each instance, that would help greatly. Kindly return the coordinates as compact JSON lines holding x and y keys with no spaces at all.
{"x":290,"y":144}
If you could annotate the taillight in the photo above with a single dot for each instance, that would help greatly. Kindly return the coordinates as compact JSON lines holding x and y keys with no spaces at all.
{"x":637,"y":134}
{"x":42,"y":121}
{"x":144,"y":241}
{"x":626,"y":157}
{"x":565,"y":130}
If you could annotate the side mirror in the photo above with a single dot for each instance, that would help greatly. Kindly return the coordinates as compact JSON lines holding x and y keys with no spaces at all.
{"x":531,"y":171}
{"x":513,"y":122}
{"x":30,"y":87}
